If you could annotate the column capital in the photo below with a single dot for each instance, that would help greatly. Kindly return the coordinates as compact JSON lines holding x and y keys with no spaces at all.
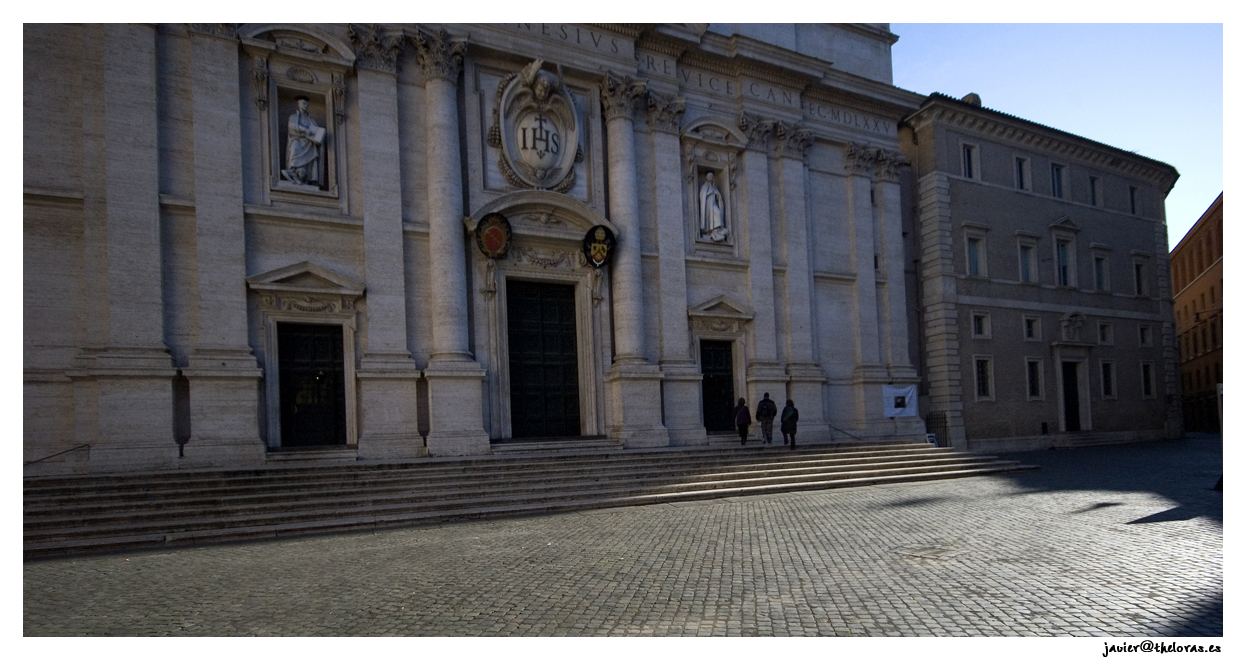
{"x":860,"y":159}
{"x":792,"y":140}
{"x":439,"y":55}
{"x":665,"y":111}
{"x":890,"y":163}
{"x":220,"y":30}
{"x":756,"y":129}
{"x":619,"y":94}
{"x":373,"y":48}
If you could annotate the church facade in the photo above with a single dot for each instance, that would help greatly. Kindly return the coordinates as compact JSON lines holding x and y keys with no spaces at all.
{"x":388,"y":242}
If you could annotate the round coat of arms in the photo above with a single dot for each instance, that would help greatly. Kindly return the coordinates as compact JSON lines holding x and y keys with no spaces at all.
{"x":493,"y":235}
{"x":598,"y":245}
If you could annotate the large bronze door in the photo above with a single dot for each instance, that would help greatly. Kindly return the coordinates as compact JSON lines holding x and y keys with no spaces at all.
{"x":716,"y":385}
{"x":545,"y":379}
{"x":313,"y":397}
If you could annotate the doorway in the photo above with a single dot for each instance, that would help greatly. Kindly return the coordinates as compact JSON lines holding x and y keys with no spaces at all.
{"x":1069,"y":384}
{"x":313,"y":392}
{"x":717,"y":386}
{"x":545,"y":374}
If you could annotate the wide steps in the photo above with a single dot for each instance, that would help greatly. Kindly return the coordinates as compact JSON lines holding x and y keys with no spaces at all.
{"x":113,"y":513}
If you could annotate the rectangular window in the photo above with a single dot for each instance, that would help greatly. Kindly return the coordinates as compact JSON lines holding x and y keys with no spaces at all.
{"x":982,"y":325}
{"x":968,"y":168}
{"x":1022,"y":172}
{"x":1026,"y":262}
{"x":1101,"y":273}
{"x":1063,"y":275}
{"x":1058,"y":180}
{"x":1034,"y":379}
{"x":1108,"y":380}
{"x":1145,"y":336}
{"x":1149,"y":382}
{"x":974,"y":256}
{"x":1212,"y":331}
{"x":1095,"y":191}
{"x":1140,"y":285}
{"x":1031,"y":329}
{"x":1106,"y":333}
{"x":982,"y":378}
{"x":1134,"y":200}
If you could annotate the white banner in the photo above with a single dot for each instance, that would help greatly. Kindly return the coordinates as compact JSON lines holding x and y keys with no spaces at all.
{"x":900,"y":401}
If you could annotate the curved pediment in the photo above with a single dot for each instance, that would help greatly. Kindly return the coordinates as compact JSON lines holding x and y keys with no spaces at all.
{"x":543,"y":213}
{"x":302,"y":40}
{"x":712,"y":130}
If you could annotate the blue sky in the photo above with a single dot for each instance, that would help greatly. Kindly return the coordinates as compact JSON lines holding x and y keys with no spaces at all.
{"x":1155,"y":89}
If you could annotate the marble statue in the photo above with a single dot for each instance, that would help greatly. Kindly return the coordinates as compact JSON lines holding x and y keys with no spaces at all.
{"x":711,"y":206}
{"x":304,"y":140}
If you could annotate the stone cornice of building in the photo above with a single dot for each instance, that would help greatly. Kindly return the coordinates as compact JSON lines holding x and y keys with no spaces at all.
{"x":870,"y":30}
{"x":1213,"y":209}
{"x":995,"y":124}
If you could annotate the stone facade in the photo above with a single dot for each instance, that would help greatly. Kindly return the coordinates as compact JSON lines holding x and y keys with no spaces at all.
{"x":1197,"y":305}
{"x":196,"y":193}
{"x":1042,"y":285}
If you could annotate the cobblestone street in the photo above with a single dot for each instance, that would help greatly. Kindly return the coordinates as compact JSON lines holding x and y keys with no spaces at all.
{"x":1113,"y":541}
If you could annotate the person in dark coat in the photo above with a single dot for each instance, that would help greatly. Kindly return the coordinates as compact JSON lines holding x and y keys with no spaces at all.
{"x":766,"y":417}
{"x":741,"y":415}
{"x":788,"y":424}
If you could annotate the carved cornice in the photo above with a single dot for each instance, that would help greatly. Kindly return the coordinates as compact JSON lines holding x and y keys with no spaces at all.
{"x":439,"y":55}
{"x":860,"y":159}
{"x":375,"y":49}
{"x":756,"y":129}
{"x":220,"y":30}
{"x":792,"y":140}
{"x":665,"y":111}
{"x":619,"y":94}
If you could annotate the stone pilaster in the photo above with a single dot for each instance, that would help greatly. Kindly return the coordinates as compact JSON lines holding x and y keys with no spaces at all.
{"x":939,"y":304}
{"x":221,"y":370}
{"x":455,"y":379}
{"x":634,"y":382}
{"x":895,"y":347}
{"x":123,"y":376}
{"x":805,"y":375}
{"x":681,"y":391}
{"x":763,"y":372}
{"x":387,"y":375}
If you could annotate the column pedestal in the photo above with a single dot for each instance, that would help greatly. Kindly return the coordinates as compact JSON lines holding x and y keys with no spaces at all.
{"x":455,"y":405}
{"x":761,"y":378}
{"x":123,"y":401}
{"x":224,"y":401}
{"x":636,"y":405}
{"x":805,"y":389}
{"x":388,"y":424}
{"x":681,"y":395}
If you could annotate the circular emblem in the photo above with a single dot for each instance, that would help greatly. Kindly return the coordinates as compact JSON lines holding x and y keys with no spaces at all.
{"x":493,"y":235}
{"x":536,"y":129}
{"x":599,"y":243}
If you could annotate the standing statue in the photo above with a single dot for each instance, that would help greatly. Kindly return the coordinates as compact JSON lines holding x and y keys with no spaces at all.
{"x":304,"y":141}
{"x":711,"y":205}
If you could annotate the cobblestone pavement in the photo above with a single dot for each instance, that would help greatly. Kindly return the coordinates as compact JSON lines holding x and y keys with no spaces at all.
{"x":1116,"y":541}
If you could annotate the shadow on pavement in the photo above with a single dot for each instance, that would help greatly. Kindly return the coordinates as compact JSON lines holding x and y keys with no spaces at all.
{"x":1183,"y":470}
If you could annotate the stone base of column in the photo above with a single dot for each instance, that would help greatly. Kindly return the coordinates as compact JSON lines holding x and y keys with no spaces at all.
{"x":636,"y":405}
{"x":456,"y":423}
{"x":681,"y":395}
{"x":123,"y":407}
{"x":224,"y":410}
{"x":868,"y":393}
{"x":805,"y":389}
{"x":762,"y":378}
{"x":387,"y":410}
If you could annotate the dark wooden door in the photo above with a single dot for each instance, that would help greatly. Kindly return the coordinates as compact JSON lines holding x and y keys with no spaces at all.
{"x":1069,"y":378}
{"x":313,"y":388}
{"x":545,"y":375}
{"x":717,"y":385}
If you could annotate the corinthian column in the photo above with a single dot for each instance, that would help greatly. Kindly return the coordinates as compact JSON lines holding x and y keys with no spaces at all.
{"x":387,"y":375}
{"x":455,"y":420}
{"x":635,"y":383}
{"x":859,"y":164}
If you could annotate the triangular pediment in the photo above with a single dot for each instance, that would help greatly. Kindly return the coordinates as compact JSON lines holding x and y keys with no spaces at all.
{"x":1064,"y":222}
{"x":723,"y":306}
{"x":305,"y":277}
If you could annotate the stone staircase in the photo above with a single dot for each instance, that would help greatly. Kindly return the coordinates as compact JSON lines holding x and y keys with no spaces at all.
{"x":122,"y":512}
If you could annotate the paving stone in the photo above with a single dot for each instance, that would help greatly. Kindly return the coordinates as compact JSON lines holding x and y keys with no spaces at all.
{"x":1075,"y":549}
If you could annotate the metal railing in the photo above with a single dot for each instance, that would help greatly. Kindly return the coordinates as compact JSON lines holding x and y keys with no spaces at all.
{"x":76,"y":447}
{"x":846,"y":433}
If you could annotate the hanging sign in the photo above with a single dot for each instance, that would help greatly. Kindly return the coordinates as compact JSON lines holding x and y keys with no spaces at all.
{"x":599,"y":244}
{"x":493,"y":235}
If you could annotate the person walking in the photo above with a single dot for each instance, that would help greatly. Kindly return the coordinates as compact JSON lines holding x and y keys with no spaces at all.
{"x":741,"y":415}
{"x":766,"y":417}
{"x":788,"y":424}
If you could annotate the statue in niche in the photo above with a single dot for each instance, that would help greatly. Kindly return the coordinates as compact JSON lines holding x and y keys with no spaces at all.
{"x":710,"y":205}
{"x":304,"y":141}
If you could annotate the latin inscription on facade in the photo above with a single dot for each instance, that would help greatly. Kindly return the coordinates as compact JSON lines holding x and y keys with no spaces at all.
{"x":587,"y":38}
{"x":849,"y":119}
